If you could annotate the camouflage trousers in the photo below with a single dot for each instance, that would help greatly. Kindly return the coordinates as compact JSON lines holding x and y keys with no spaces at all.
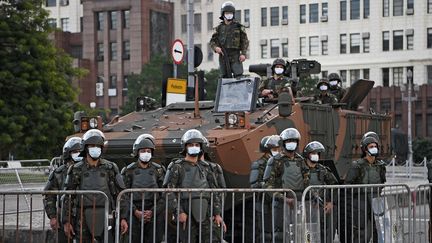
{"x":234,"y":63}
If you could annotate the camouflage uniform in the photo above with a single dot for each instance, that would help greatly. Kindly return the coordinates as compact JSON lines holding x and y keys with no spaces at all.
{"x":338,"y":92}
{"x":328,"y":98}
{"x":234,"y":40}
{"x":183,"y":174}
{"x":152,"y":176}
{"x":104,"y":177}
{"x":276,"y":84}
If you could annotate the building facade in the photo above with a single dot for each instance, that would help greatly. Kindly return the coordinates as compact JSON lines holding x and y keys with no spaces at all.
{"x":65,"y":14}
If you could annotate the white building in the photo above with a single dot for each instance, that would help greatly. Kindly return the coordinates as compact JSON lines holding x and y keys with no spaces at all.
{"x":379,"y":40}
{"x":65,"y":14}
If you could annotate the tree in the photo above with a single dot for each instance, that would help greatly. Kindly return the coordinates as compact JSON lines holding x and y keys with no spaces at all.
{"x":212,"y":78}
{"x":422,"y":147}
{"x":37,"y":98}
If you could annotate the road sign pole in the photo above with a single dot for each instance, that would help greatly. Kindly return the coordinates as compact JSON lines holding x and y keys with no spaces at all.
{"x":175,"y":70}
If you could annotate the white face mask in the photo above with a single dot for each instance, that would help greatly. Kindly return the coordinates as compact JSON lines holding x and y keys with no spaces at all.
{"x":323,"y":87}
{"x":229,"y":16}
{"x":373,"y":151}
{"x":333,"y":82}
{"x":291,"y":146}
{"x":274,"y":153}
{"x":314,"y":157}
{"x":145,"y":157}
{"x":76,"y":157}
{"x":193,"y":151}
{"x":278,"y":70}
{"x":95,"y":152}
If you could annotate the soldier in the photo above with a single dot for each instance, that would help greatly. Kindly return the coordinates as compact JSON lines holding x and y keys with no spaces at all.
{"x":270,"y":88}
{"x":71,"y":154}
{"x":324,"y":97}
{"x":285,"y":170}
{"x":269,"y":146}
{"x":92,"y":173}
{"x":336,"y":86}
{"x":367,"y":170}
{"x":318,"y":174}
{"x":191,"y":172}
{"x":230,"y":41}
{"x":145,"y":174}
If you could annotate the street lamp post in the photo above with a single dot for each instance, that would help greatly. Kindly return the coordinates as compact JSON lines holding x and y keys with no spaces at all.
{"x":410,"y":151}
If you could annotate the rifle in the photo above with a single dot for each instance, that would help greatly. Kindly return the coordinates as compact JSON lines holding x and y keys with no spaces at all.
{"x":227,"y":64}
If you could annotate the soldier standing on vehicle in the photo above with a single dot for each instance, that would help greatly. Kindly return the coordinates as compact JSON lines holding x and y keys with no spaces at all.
{"x":230,"y":41}
{"x":285,"y":170}
{"x":367,"y":170}
{"x":145,"y":174}
{"x":324,"y":96}
{"x":71,"y":155}
{"x":92,"y":173}
{"x":191,"y":172}
{"x":269,"y":146}
{"x":320,"y":202}
{"x":336,"y":86}
{"x":272,"y":87}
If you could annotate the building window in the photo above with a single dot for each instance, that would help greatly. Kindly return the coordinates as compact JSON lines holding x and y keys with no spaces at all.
{"x":343,"y":43}
{"x":113,"y":20}
{"x":126,"y":50}
{"x":429,"y":38}
{"x":285,"y":15}
{"x":343,"y":10}
{"x":366,"y":44}
{"x":354,"y":75}
{"x":302,"y":13}
{"x":324,"y":9}
{"x":429,"y":125}
{"x":429,"y":6}
{"x":385,"y":105}
{"x":386,"y":40}
{"x":418,"y":125}
{"x":366,"y":73}
{"x":263,"y":16}
{"x":274,"y":16}
{"x":386,"y":8}
{"x":398,"y":40}
{"x":324,"y":47}
{"x":125,"y":82}
{"x":285,"y":49}
{"x":355,"y":43}
{"x":366,"y":9}
{"x":126,"y":19}
{"x":429,"y":74}
{"x":50,"y":3}
{"x":76,"y":51}
{"x":113,"y":51}
{"x":343,"y":75}
{"x":64,"y":24}
{"x":52,"y":23}
{"x":210,"y":53}
{"x":355,"y":9}
{"x":184,"y":23}
{"x":385,"y":77}
{"x":209,"y":21}
{"x":246,"y":17}
{"x":197,"y":22}
{"x":100,"y":52}
{"x":397,"y":76}
{"x":81,"y":24}
{"x":397,"y":7}
{"x":313,"y":46}
{"x":100,"y":20}
{"x":264,"y":52}
{"x":313,"y":13}
{"x":410,"y":4}
{"x":302,"y":46}
{"x":113,"y":81}
{"x":237,"y":15}
{"x":410,"y":41}
{"x":274,"y":48}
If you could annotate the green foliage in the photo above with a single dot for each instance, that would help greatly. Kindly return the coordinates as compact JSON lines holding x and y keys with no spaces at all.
{"x":37,"y":98}
{"x":422,"y":147}
{"x":308,"y":85}
{"x":212,"y":77}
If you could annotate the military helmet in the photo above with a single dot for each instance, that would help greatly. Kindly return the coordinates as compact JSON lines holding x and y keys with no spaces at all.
{"x":279,"y":61}
{"x":73,"y":143}
{"x":290,"y":133}
{"x":366,"y":141}
{"x":192,"y":136}
{"x":273,"y":141}
{"x":263,"y":143}
{"x":93,"y":136}
{"x":143,"y":141}
{"x":227,"y":6}
{"x":371,"y":134}
{"x":206,"y":144}
{"x":313,"y":146}
{"x":322,"y":81}
{"x":334,"y":76}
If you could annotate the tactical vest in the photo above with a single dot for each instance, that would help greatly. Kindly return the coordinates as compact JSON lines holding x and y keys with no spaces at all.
{"x":60,"y":174}
{"x":230,"y":35}
{"x":276,"y":85}
{"x":144,"y":178}
{"x":371,"y":174}
{"x":95,"y":178}
{"x":257,"y":172}
{"x":292,"y":177}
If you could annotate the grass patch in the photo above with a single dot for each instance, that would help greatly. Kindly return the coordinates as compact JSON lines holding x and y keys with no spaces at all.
{"x":11,"y":178}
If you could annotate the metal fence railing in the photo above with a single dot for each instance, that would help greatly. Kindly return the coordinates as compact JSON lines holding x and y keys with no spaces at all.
{"x":20,"y":172}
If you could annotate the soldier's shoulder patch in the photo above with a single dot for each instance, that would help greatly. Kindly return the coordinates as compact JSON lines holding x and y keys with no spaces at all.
{"x":156,"y":165}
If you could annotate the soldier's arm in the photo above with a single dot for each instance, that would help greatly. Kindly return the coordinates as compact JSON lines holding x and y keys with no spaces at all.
{"x":214,"y":42}
{"x":69,"y":201}
{"x":50,"y":201}
{"x":244,"y":41}
{"x":160,"y":204}
{"x":271,"y":178}
{"x":353,"y":173}
{"x":383,"y":173}
{"x":171,"y":180}
{"x":330,"y":179}
{"x":211,"y":179}
{"x":116,"y":186}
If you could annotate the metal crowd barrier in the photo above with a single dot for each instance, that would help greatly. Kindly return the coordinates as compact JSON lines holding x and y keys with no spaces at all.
{"x":422,"y":200}
{"x":29,"y":225}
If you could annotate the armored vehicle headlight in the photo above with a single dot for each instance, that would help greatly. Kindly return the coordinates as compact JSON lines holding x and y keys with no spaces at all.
{"x":232,"y":119}
{"x":93,"y":122}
